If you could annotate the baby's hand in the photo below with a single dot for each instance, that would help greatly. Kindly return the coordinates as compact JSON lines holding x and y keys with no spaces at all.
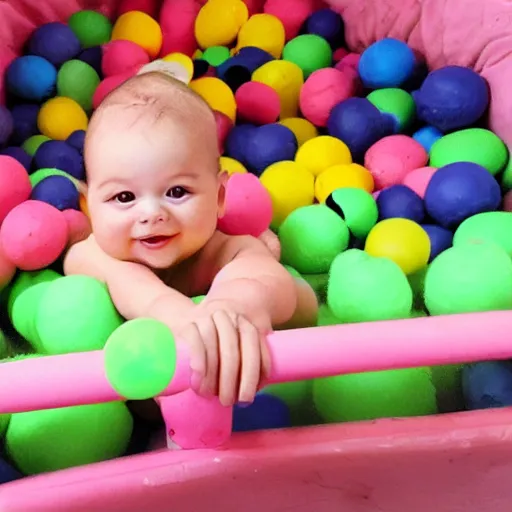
{"x":229,"y":356}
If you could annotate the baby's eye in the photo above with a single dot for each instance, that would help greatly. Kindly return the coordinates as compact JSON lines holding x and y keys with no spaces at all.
{"x":177,"y":192}
{"x":125,"y":197}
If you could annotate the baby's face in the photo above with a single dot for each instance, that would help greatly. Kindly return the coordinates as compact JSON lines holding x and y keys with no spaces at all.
{"x":154,"y":192}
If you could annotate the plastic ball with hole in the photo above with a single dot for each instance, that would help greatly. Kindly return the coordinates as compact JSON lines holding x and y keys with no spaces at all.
{"x":31,"y":78}
{"x":243,"y":64}
{"x":60,"y":155}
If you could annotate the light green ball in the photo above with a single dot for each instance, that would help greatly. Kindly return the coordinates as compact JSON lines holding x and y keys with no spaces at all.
{"x":363,"y":288}
{"x":396,"y":102}
{"x":4,"y":345}
{"x":311,"y":237}
{"x":417,"y":283}
{"x":326,"y":316}
{"x":216,"y":55}
{"x":372,"y":395}
{"x":292,"y":271}
{"x":53,"y":439}
{"x":4,"y":423}
{"x":31,"y":145}
{"x":506,"y":176}
{"x":91,"y":28}
{"x":78,"y":81}
{"x":309,"y":51}
{"x":319,"y":284}
{"x":489,"y":227}
{"x":448,"y":382}
{"x":198,"y":299}
{"x":76,"y":314}
{"x":42,"y":174}
{"x":469,"y":278}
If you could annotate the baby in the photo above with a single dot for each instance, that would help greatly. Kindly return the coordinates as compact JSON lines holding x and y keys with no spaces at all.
{"x":154,"y":194}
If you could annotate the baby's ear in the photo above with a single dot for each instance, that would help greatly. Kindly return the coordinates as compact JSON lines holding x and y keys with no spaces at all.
{"x":223,"y":177}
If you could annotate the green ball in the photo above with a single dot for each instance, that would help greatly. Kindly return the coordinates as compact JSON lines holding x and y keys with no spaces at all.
{"x":326,"y":316}
{"x":489,"y":227}
{"x":372,"y":395}
{"x":216,"y":55}
{"x":198,"y":299}
{"x":78,"y":81}
{"x":53,"y":439}
{"x":506,"y":176}
{"x":396,"y":102}
{"x":417,"y":283}
{"x":41,"y":174}
{"x":418,"y":313}
{"x":309,"y":51}
{"x":140,"y":358}
{"x":91,"y":28}
{"x":31,"y":145}
{"x":476,"y":145}
{"x":357,"y":208}
{"x":4,"y":423}
{"x":311,"y":237}
{"x":76,"y":314}
{"x":319,"y":284}
{"x":448,"y":382}
{"x":469,"y":278}
{"x":292,"y":271}
{"x":4,"y":345}
{"x":363,"y":288}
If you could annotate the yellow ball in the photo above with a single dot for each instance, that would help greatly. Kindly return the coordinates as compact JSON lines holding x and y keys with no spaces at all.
{"x":219,"y":21}
{"x":59,"y":117}
{"x":290,"y":186}
{"x":286,"y":79}
{"x":182,"y":59}
{"x":197,"y":54}
{"x":342,"y":176}
{"x":140,"y":28}
{"x":231,"y":166}
{"x":322,"y":152}
{"x":264,"y":31}
{"x":302,"y":128}
{"x":217,"y":94}
{"x":400,"y":240}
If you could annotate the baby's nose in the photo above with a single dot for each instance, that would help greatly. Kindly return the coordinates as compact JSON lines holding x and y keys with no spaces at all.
{"x":153,"y":213}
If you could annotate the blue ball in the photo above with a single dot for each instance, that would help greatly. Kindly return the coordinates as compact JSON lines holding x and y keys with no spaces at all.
{"x":6,"y":125}
{"x":58,"y":191}
{"x":237,"y":141}
{"x":8,"y":473}
{"x":487,"y":385}
{"x":359,"y":124}
{"x":269,"y":144}
{"x":250,"y":58}
{"x":77,"y":139}
{"x":426,"y":136}
{"x":440,"y":239}
{"x":19,"y":154}
{"x":266,"y":412}
{"x":400,"y":201}
{"x":452,"y":98}
{"x":55,"y":42}
{"x":94,"y":57}
{"x":24,"y":116}
{"x":458,"y":191}
{"x":328,"y":24}
{"x":386,"y":63}
{"x":58,"y":154}
{"x":31,"y":78}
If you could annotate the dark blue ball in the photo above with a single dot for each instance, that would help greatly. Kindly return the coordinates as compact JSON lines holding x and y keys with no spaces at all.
{"x":24,"y":116}
{"x":440,"y":239}
{"x":269,"y":144}
{"x":31,"y":78}
{"x":58,"y":191}
{"x":359,"y":124}
{"x":487,"y":385}
{"x":266,"y":412}
{"x":8,"y":473}
{"x":426,"y":136}
{"x":400,"y":201}
{"x":249,"y":58}
{"x":93,"y":56}
{"x":55,"y":42}
{"x":77,"y":139}
{"x":200,"y":68}
{"x":458,"y":191}
{"x":451,"y":98}
{"x":58,"y":154}
{"x":237,"y":141}
{"x":19,"y":154}
{"x":6,"y":125}
{"x":327,"y":24}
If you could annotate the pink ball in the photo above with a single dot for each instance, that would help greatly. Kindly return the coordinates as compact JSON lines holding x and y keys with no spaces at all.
{"x":33,"y":235}
{"x":292,"y":13}
{"x":351,"y":59}
{"x":418,"y":179}
{"x":224,"y":125}
{"x":177,"y":19}
{"x":148,"y":6}
{"x":507,"y":201}
{"x":324,"y":89}
{"x":257,"y":103}
{"x":248,"y":206}
{"x":122,"y":56}
{"x":339,"y":54}
{"x":15,"y":185}
{"x":79,"y":227}
{"x":392,"y":157}
{"x":7,"y":269}
{"x":254,"y":6}
{"x":353,"y":75}
{"x":107,"y":85}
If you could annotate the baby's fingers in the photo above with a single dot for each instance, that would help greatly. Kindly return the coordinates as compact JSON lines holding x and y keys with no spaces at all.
{"x":197,"y":352}
{"x":209,"y":339}
{"x":251,"y":360}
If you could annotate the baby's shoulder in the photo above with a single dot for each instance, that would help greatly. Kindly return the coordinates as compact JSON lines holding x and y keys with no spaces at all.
{"x":87,"y":258}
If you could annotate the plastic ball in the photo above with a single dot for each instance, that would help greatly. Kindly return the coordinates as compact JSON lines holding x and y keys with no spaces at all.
{"x":217,"y":94}
{"x":216,"y":55}
{"x":392,"y":157}
{"x":386,"y":63}
{"x":141,"y":29}
{"x":487,"y":385}
{"x":402,"y":202}
{"x":108,"y":85}
{"x":42,"y":174}
{"x":231,"y":166}
{"x":32,"y":144}
{"x":58,"y":191}
{"x":342,"y":176}
{"x":8,"y":473}
{"x":78,"y":81}
{"x":440,"y":239}
{"x":291,"y":186}
{"x":59,"y":117}
{"x":150,"y":7}
{"x":452,"y":97}
{"x":322,"y":152}
{"x":60,"y":155}
{"x":90,"y":27}
{"x":327,"y":24}
{"x":79,"y":227}
{"x":248,"y":207}
{"x":401,"y":240}
{"x":427,"y":136}
{"x":7,"y":270}
{"x":76,"y":140}
{"x":122,"y":56}
{"x":264,"y":31}
{"x":6,"y":125}
{"x":302,"y":128}
{"x":24,"y":118}
{"x":93,"y":56}
{"x":397,"y":103}
{"x":203,"y":69}
{"x":324,"y":89}
{"x":183,"y":60}
{"x":33,"y":235}
{"x":257,"y":103}
{"x":311,"y":237}
{"x":418,"y":179}
{"x":458,"y":191}
{"x":224,"y":126}
{"x":177,"y":20}
{"x":291,"y":13}
{"x":14,"y":185}
{"x":359,"y":124}
{"x":31,"y":78}
{"x":266,"y":412}
{"x":56,"y":42}
{"x":238,"y":140}
{"x":363,"y":288}
{"x":241,"y":65}
{"x":469,"y":278}
{"x":356,"y":207}
{"x":18,"y":154}
{"x":309,"y":51}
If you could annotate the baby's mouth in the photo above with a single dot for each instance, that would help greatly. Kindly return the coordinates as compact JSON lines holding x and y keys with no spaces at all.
{"x":155,"y":242}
